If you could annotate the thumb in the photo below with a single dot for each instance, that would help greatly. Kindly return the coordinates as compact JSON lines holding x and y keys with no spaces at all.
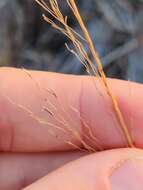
{"x":120,"y":169}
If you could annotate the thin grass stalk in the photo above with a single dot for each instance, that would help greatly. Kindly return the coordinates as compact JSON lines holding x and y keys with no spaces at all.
{"x":79,"y":51}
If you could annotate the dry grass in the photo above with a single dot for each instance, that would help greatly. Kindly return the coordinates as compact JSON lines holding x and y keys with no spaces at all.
{"x":61,"y":120}
{"x":60,"y":23}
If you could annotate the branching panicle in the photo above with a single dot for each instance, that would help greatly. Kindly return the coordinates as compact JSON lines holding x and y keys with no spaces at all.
{"x":80,"y":52}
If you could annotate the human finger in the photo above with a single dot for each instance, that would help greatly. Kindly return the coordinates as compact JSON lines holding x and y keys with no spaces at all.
{"x":113,"y":169}
{"x":21,"y":170}
{"x":42,"y":111}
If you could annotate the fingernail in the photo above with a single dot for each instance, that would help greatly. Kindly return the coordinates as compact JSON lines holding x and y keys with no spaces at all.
{"x":129,"y":176}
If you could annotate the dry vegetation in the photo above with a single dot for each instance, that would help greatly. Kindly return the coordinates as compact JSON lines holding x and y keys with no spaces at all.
{"x":28,"y":33}
{"x":25,"y":40}
{"x":97,"y":69}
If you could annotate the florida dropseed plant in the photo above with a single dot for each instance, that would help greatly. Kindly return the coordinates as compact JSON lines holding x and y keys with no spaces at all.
{"x":92,"y":63}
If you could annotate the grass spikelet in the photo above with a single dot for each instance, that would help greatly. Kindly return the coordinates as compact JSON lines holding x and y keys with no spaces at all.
{"x":63,"y":121}
{"x":79,"y":51}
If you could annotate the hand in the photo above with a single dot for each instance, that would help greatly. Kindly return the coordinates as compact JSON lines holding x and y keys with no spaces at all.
{"x":31,"y":149}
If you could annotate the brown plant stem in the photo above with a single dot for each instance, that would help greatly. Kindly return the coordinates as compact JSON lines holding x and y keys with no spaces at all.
{"x":87,"y":36}
{"x":98,"y":71}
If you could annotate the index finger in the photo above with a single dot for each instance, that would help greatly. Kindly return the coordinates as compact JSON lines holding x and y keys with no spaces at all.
{"x":42,"y":111}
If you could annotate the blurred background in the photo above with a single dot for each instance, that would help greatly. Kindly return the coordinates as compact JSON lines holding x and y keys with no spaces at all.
{"x":116,"y":27}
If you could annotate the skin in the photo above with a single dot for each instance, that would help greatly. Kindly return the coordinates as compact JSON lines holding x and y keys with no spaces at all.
{"x":31,"y":150}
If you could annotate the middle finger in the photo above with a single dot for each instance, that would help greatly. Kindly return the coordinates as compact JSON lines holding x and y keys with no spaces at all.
{"x":20,"y":170}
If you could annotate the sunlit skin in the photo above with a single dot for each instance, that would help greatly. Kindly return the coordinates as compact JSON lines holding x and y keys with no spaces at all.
{"x":30,"y":150}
